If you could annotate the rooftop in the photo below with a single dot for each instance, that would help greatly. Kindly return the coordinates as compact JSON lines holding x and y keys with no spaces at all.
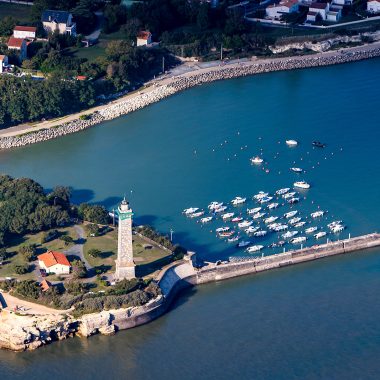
{"x":25,"y":28}
{"x":144,"y":35}
{"x":60,"y":17}
{"x":15,"y":42}
{"x":318,"y":5}
{"x":52,"y":258}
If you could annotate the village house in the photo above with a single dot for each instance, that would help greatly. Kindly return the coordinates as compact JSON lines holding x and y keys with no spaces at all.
{"x":18,"y":44}
{"x":275,"y":11}
{"x":61,"y":21}
{"x":25,"y":32}
{"x":45,"y":285}
{"x":54,"y":262}
{"x":317,"y":10}
{"x":144,"y":38}
{"x":335,"y":13}
{"x":373,"y":6}
{"x":3,"y":63}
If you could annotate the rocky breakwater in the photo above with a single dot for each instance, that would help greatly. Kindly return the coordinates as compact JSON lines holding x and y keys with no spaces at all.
{"x":279,"y":64}
{"x":185,"y":81}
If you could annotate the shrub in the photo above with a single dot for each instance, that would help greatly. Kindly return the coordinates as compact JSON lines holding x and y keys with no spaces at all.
{"x":49,"y":236}
{"x":93,"y":252}
{"x":28,"y":288}
{"x":66,"y":239}
{"x":79,"y":269}
{"x":28,"y":252}
{"x":21,"y":269}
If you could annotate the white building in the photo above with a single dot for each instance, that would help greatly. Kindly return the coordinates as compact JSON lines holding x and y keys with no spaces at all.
{"x":59,"y":21}
{"x":373,"y":6}
{"x":144,"y":38}
{"x":317,"y":9}
{"x":54,"y":262}
{"x":275,"y":11}
{"x":28,"y":32}
{"x":3,"y":62}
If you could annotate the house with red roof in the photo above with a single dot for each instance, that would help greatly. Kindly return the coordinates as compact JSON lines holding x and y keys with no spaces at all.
{"x":373,"y":6}
{"x":275,"y":11}
{"x":144,"y":38}
{"x":18,"y":44}
{"x":27,"y":32}
{"x":317,"y":10}
{"x":54,"y":262}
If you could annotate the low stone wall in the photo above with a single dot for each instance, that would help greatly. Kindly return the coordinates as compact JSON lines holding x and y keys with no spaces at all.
{"x":181,"y":83}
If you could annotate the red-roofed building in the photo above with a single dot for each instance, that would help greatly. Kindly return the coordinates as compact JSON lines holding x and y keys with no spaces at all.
{"x":54,"y":262}
{"x":144,"y":38}
{"x":373,"y":6}
{"x":28,"y":32}
{"x":18,"y":44}
{"x":318,"y":9}
{"x":275,"y":11}
{"x":45,"y":285}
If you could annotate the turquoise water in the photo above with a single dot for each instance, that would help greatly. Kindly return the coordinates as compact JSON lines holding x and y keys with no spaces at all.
{"x":314,"y":321}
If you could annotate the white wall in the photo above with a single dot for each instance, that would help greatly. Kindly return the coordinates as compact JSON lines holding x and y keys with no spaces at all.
{"x":23,"y":34}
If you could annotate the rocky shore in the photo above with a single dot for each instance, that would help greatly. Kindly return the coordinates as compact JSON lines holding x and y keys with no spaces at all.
{"x":186,"y":81}
{"x":181,"y":83}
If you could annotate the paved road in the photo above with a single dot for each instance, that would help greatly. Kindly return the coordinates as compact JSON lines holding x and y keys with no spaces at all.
{"x":77,"y":249}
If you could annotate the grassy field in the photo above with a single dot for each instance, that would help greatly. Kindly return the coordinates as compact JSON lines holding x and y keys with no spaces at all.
{"x":6,"y":270}
{"x":147,"y":260}
{"x":19,"y":12}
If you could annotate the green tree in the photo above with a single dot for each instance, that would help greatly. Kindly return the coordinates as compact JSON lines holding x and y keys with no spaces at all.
{"x":93,"y":252}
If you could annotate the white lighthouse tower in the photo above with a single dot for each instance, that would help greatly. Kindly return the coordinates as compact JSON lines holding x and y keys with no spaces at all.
{"x":125,"y":266}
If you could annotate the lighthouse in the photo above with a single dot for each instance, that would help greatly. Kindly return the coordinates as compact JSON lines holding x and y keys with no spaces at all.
{"x":125,"y":266}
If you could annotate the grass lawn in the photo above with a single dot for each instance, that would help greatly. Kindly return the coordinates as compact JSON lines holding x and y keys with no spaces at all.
{"x":147,"y":260}
{"x":6,"y":270}
{"x":19,"y":12}
{"x":90,"y":53}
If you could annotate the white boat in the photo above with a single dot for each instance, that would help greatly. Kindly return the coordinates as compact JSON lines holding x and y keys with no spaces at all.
{"x":243,"y":243}
{"x":273,"y":205}
{"x":338,"y":228}
{"x":271,"y":219}
{"x":196,"y":214}
{"x":233,"y":239}
{"x":258,"y":215}
{"x":228,"y":215}
{"x":273,"y":226}
{"x":310,"y":230}
{"x":335,"y":223}
{"x":238,"y":201}
{"x":289,"y":195}
{"x":245,"y":224}
{"x":265,"y":200}
{"x":251,"y":211}
{"x":237,"y":219}
{"x":260,"y":233}
{"x":294,"y":220}
{"x":256,"y":160}
{"x":289,"y":234}
{"x":191,"y":210}
{"x":260,"y":195}
{"x":290,"y":214}
{"x":222,"y":229}
{"x":255,"y":248}
{"x":281,"y":227}
{"x":301,"y":185}
{"x":320,"y":234}
{"x":215,"y":205}
{"x":251,"y":230}
{"x":293,"y":200}
{"x":206,"y":219}
{"x":299,"y":224}
{"x":282,"y":191}
{"x":291,"y":142}
{"x":220,"y":209}
{"x":298,"y":240}
{"x":317,"y":214}
{"x":296,"y":170}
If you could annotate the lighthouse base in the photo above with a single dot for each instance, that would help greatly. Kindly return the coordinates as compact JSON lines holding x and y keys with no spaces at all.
{"x":124,"y":272}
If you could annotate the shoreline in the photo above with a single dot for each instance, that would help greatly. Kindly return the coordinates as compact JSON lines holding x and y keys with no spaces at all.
{"x":29,"y":332}
{"x":163,"y":88}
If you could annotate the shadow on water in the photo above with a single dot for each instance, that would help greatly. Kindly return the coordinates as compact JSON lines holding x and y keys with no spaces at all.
{"x":82,"y":195}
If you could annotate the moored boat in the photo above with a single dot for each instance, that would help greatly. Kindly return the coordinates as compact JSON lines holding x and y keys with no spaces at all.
{"x":317,"y":214}
{"x":291,"y":142}
{"x":206,"y":219}
{"x":320,"y":234}
{"x":254,"y":248}
{"x":253,"y":210}
{"x":238,"y":201}
{"x":310,"y":230}
{"x":282,"y":191}
{"x":228,"y":215}
{"x":256,"y":160}
{"x":290,"y":214}
{"x":273,"y":205}
{"x":301,"y":185}
{"x":298,"y":240}
{"x":190,"y":210}
{"x":296,"y":170}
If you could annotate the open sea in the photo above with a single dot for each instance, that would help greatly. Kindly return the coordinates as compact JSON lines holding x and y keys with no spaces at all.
{"x":312,"y":321}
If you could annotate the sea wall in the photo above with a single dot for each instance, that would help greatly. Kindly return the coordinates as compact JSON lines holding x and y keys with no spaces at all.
{"x":183,"y":82}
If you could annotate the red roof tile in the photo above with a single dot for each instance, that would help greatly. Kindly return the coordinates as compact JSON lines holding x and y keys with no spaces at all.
{"x":15,"y":42}
{"x":25,"y":28}
{"x":52,"y":258}
{"x":144,"y":35}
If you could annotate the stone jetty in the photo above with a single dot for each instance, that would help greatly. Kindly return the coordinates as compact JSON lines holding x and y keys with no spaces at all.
{"x":188,"y":80}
